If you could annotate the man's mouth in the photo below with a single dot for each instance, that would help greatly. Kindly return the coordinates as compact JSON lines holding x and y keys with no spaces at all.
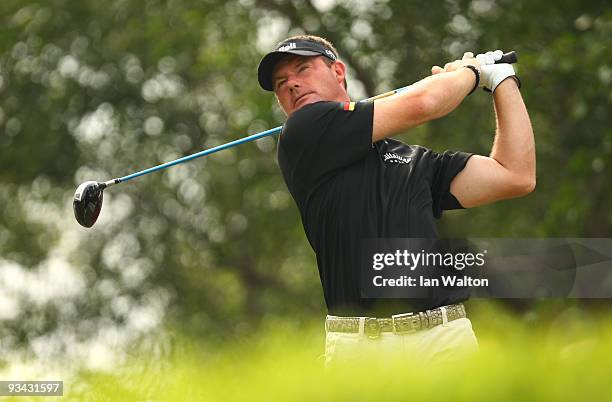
{"x":299,"y":98}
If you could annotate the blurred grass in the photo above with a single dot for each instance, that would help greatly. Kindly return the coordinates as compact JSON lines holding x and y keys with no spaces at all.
{"x":567,"y":357}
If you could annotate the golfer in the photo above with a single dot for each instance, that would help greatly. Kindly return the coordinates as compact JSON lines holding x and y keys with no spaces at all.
{"x":351,"y":181}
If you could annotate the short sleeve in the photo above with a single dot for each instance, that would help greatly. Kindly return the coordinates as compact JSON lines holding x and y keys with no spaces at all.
{"x":446,"y":166}
{"x":321,"y":138}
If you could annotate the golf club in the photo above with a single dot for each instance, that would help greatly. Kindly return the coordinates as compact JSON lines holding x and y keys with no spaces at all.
{"x":87,"y":202}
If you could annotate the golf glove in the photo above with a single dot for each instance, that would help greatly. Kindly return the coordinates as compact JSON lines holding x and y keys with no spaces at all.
{"x":493,"y":74}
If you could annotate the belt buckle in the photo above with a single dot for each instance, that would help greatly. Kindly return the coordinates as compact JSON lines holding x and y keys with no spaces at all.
{"x":371,"y":328}
{"x":405,"y":323}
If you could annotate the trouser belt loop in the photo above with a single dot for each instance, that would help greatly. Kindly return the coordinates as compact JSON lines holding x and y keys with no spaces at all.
{"x":444,"y":316}
{"x":362,"y":326}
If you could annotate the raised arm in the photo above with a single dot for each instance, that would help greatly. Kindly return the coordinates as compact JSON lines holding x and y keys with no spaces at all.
{"x":510,"y":170}
{"x":426,"y":100}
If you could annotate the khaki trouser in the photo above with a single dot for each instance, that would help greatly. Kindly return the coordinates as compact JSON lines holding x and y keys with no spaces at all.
{"x":443,"y":343}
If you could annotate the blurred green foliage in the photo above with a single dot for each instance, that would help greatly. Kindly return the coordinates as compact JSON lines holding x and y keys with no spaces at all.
{"x":95,"y":90}
{"x":569,"y":360}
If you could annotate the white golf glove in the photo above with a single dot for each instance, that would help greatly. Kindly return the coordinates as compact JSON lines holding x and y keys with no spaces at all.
{"x":493,"y":74}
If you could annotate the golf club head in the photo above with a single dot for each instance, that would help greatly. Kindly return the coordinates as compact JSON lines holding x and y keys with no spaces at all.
{"x":87,"y":203}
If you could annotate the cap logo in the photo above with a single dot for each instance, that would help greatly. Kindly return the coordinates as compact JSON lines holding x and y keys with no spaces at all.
{"x":330,"y":54}
{"x":287,"y":47}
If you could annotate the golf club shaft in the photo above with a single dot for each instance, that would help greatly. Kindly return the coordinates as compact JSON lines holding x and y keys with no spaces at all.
{"x":187,"y":158}
{"x":510,"y":57}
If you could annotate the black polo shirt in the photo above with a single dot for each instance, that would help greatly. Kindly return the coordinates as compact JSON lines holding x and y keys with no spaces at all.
{"x":348,"y":190}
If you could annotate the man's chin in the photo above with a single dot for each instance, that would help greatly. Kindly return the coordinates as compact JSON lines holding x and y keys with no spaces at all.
{"x":301,"y":103}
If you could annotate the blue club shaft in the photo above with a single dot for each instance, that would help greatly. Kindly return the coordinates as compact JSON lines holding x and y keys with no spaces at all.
{"x":205,"y":152}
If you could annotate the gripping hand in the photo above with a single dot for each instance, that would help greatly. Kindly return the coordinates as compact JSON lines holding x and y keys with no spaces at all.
{"x":493,"y":74}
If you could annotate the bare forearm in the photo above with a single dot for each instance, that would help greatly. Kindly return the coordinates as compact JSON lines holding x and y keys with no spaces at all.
{"x":446,"y":91}
{"x":426,"y":100}
{"x":514,"y":145}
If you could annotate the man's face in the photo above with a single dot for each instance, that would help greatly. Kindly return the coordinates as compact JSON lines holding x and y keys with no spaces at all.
{"x":301,"y":80}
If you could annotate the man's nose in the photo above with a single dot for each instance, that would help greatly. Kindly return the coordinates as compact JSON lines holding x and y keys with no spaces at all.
{"x":292,"y":83}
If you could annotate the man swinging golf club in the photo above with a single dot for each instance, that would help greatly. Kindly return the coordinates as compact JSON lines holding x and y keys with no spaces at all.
{"x":351,"y":181}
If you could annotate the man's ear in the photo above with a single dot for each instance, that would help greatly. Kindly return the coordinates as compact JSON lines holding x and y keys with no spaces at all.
{"x":339,"y":69}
